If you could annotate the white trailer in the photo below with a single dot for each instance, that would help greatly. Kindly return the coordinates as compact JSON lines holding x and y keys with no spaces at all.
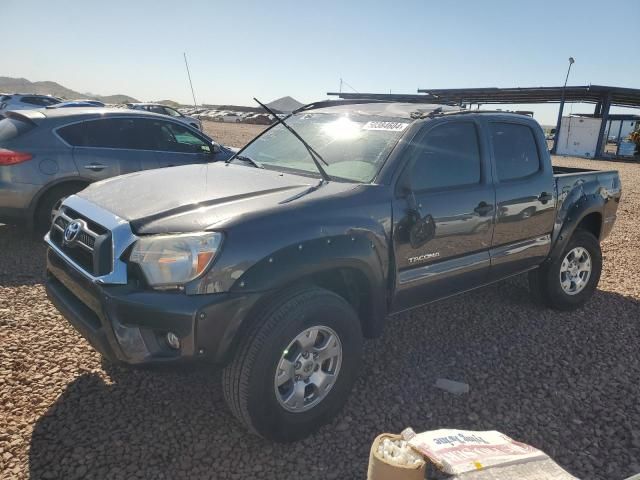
{"x":578,"y":136}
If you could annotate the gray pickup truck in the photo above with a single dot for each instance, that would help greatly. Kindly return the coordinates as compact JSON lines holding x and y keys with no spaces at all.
{"x":277,"y":263}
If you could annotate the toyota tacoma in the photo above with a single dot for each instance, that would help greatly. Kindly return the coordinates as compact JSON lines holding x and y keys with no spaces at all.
{"x":278,"y":262}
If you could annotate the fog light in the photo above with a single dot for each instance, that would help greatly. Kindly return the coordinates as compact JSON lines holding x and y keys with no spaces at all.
{"x":173,"y":340}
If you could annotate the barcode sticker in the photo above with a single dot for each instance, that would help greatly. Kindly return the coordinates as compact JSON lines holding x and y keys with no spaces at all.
{"x":386,"y":126}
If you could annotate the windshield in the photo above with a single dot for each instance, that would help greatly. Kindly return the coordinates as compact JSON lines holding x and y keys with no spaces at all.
{"x":354,"y":147}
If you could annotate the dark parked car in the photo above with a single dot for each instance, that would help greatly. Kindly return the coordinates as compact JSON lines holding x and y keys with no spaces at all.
{"x":48,"y":154}
{"x":277,"y":264}
{"x":165,"y":110}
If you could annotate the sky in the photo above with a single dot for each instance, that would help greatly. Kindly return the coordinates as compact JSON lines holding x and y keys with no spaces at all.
{"x":240,"y":49}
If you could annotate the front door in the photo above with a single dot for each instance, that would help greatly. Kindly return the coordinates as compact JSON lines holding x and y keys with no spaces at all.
{"x":175,"y":144}
{"x":443,"y":214}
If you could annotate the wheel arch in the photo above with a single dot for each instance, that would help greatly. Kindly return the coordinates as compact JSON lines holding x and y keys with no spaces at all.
{"x":592,"y":222}
{"x":586,"y":215}
{"x":37,"y":199}
{"x":353,"y":283}
{"x":356,"y":284}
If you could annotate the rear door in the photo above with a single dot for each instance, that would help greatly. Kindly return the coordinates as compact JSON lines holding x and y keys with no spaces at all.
{"x":525,"y":197}
{"x":175,"y":144}
{"x":108,"y":147}
{"x":443,"y":213}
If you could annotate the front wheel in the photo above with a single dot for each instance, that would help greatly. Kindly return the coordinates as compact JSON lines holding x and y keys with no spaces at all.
{"x":294,"y":370}
{"x":570,"y":280}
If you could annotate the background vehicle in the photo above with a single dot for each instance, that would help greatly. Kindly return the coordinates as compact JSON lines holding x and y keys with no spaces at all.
{"x":164,"y":110}
{"x":277,"y":264}
{"x":25,"y":101}
{"x":49,"y":154}
{"x":78,"y":103}
{"x":230,"y":117}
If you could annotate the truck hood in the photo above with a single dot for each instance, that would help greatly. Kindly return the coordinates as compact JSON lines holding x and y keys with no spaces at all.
{"x":195,"y":197}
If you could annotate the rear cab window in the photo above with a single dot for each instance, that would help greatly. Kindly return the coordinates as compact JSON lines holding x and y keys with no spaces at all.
{"x":515,"y":150}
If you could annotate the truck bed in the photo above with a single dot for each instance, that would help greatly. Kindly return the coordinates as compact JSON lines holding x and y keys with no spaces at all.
{"x":576,"y":186}
{"x":568,"y":170}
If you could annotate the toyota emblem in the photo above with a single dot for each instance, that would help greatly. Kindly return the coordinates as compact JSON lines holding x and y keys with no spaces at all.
{"x":72,"y":231}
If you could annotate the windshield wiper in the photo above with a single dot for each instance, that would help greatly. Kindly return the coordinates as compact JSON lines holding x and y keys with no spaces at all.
{"x":315,"y":156}
{"x":245,"y":159}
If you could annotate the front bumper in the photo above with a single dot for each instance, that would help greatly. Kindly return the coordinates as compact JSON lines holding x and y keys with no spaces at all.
{"x":125,"y":323}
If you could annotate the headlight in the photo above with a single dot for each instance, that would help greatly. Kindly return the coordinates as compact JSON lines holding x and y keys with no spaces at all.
{"x":172,"y":260}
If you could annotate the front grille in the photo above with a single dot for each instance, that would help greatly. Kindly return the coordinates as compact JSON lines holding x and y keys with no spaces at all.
{"x":91,"y":249}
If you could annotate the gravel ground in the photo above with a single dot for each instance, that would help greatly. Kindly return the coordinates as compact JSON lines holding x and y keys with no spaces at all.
{"x":231,"y":134}
{"x":567,"y":383}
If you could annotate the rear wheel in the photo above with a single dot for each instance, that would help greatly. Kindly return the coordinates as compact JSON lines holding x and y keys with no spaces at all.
{"x":50,"y":204}
{"x":570,"y":280}
{"x":294,"y":370}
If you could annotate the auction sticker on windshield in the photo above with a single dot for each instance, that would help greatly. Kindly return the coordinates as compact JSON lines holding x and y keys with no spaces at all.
{"x":386,"y":126}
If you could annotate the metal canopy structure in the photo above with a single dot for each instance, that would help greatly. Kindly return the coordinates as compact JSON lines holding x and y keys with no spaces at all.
{"x":620,"y":97}
{"x":390,"y":97}
{"x":604,"y":97}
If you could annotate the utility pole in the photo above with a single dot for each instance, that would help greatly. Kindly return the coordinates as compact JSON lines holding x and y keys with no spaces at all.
{"x":559,"y":122}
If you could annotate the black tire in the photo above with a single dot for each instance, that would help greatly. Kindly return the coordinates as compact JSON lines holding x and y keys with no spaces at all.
{"x":51,"y":199}
{"x":248,"y":381}
{"x":544,"y":282}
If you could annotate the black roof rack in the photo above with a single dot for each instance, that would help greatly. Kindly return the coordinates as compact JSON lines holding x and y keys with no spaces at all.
{"x":358,"y":98}
{"x":333,"y":103}
{"x":392,"y":97}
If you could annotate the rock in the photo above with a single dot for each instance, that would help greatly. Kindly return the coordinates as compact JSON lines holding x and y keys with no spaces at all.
{"x":451,"y":386}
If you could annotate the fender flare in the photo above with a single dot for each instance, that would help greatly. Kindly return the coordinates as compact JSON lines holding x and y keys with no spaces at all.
{"x":568,"y":219}
{"x":302,"y":261}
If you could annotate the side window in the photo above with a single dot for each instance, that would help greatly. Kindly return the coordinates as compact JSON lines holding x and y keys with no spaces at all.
{"x":170,"y":137}
{"x":115,"y":133}
{"x":515,"y":150}
{"x":171,"y":112}
{"x":39,"y":101}
{"x":30,"y":101}
{"x":73,"y":134}
{"x":447,"y":156}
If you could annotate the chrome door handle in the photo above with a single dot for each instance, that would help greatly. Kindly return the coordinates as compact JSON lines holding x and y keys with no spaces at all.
{"x":96,"y":167}
{"x":483,"y":209}
{"x":544,"y":197}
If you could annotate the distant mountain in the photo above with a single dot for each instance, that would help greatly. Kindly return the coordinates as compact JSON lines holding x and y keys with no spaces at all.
{"x":22,"y":85}
{"x":285,"y":104}
{"x":171,"y":103}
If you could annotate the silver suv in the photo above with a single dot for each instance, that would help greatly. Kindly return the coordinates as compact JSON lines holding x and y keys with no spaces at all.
{"x":25,"y":101}
{"x":164,"y":110}
{"x":49,"y":154}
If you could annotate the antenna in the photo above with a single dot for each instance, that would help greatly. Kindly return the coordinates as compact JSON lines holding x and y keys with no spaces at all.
{"x":195,"y":104}
{"x":342,"y":82}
